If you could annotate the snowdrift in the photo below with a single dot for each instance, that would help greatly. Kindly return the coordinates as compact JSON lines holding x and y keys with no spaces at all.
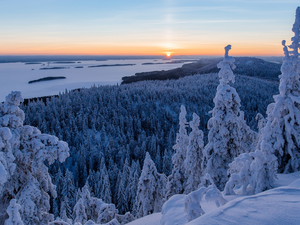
{"x":277,"y":206}
{"x":280,"y":205}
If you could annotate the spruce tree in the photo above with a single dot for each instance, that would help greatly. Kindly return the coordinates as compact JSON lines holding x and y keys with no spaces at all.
{"x":281,"y":134}
{"x":151,"y":189}
{"x":28,"y":181}
{"x":278,"y":147}
{"x":65,"y":209}
{"x":122,"y":204}
{"x":194,"y":156}
{"x":105,"y":193}
{"x":135,"y":173}
{"x":176,"y":181}
{"x":68,"y":190}
{"x":167,"y":162}
{"x":229,"y":136}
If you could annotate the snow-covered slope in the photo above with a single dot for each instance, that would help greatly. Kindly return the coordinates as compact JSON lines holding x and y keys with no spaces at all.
{"x":276,"y":206}
{"x":173,"y":211}
{"x":153,"y":219}
{"x":280,"y":205}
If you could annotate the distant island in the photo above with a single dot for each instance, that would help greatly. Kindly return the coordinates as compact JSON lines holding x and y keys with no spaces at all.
{"x":63,"y":62}
{"x":46,"y":79}
{"x":32,"y":63}
{"x":54,"y":68}
{"x":150,"y":63}
{"x":78,"y":67}
{"x":106,"y":65}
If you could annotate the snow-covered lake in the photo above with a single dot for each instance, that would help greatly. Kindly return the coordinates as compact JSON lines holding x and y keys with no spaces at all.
{"x":15,"y":76}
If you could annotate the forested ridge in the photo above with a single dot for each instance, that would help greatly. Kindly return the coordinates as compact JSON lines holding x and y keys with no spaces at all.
{"x":117,"y":125}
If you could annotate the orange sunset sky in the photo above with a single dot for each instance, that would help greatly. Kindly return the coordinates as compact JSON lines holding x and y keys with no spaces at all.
{"x":157,"y":27}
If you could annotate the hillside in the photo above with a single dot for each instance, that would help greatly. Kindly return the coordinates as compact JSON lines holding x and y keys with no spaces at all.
{"x":118,"y":124}
{"x":249,"y":66}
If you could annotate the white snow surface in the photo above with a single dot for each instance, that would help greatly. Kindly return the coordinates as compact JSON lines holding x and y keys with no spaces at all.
{"x":174,"y":212}
{"x":153,"y":219}
{"x":280,"y":205}
{"x":276,"y":206}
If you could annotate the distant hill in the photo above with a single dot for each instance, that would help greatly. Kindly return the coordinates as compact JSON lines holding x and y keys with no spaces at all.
{"x":249,"y":66}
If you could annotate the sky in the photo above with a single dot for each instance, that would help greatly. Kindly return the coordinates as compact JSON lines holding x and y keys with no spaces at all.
{"x":145,"y":27}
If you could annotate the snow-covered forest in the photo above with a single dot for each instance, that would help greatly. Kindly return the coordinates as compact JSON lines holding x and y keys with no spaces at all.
{"x":112,"y":154}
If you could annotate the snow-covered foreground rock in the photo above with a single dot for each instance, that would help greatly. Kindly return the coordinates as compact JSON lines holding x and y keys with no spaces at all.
{"x":280,"y":205}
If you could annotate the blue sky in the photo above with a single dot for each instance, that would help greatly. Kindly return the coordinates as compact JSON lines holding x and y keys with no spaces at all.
{"x":133,"y":27}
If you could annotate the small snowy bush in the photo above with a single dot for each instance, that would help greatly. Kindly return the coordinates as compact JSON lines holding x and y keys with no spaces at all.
{"x":13,"y":213}
{"x":192,"y":202}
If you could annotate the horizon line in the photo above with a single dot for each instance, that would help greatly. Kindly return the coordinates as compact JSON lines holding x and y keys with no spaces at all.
{"x":236,"y":55}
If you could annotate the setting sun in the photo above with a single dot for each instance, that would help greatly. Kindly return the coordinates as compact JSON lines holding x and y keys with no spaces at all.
{"x":168,"y":54}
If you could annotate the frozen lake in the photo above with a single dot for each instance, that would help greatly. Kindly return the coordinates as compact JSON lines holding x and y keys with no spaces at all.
{"x":15,"y":76}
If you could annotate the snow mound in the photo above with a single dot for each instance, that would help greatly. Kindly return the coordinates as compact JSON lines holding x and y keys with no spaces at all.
{"x":174,"y":212}
{"x":295,"y":184}
{"x":152,"y":219}
{"x":286,"y":179}
{"x":277,"y":206}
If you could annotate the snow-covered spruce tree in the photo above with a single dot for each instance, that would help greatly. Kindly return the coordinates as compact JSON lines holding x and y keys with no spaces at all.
{"x":151,"y":189}
{"x":13,"y":212}
{"x":68,"y":191}
{"x":194,"y":156}
{"x":229,"y":135}
{"x":28,"y":181}
{"x":281,"y":134}
{"x":105,"y":193}
{"x":135,"y":172}
{"x":7,"y":165}
{"x":65,"y":209}
{"x":278,"y":148}
{"x":123,"y":195}
{"x":176,"y":181}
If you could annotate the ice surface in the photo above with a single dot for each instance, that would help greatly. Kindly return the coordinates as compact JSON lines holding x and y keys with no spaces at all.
{"x":15,"y":76}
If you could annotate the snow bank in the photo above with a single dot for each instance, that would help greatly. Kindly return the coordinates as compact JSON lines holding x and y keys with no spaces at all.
{"x":295,"y":184}
{"x":174,"y":212}
{"x":277,"y":206}
{"x":152,"y":219}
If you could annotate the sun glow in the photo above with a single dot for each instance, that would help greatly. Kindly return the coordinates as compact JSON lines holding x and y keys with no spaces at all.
{"x":168,"y":54}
